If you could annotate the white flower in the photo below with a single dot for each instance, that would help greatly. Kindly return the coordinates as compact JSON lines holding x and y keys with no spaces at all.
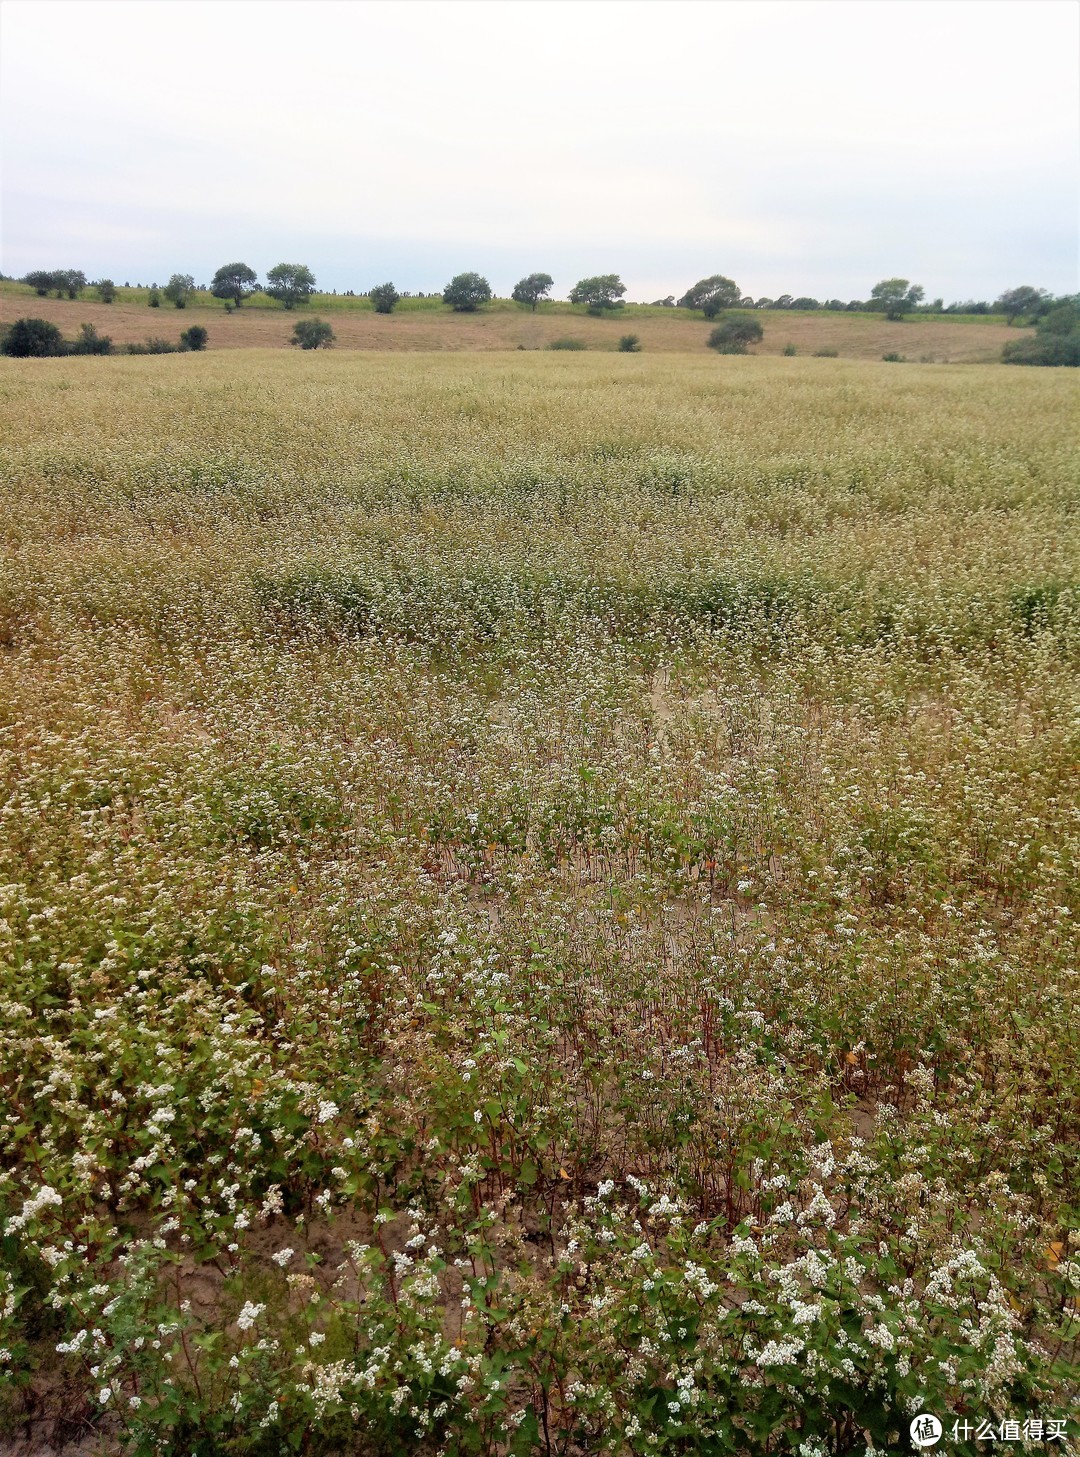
{"x":33,"y":1206}
{"x":779,"y":1353}
{"x":283,"y":1257}
{"x":327,"y":1110}
{"x":104,"y":1394}
{"x":249,"y":1315}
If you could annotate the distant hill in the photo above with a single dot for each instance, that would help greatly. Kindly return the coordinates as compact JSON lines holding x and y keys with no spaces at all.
{"x":428,"y":324}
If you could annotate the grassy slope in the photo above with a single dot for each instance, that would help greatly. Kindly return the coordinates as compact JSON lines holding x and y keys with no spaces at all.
{"x":426,"y":324}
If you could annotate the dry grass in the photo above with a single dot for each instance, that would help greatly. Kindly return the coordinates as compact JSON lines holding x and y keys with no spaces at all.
{"x":854,"y":337}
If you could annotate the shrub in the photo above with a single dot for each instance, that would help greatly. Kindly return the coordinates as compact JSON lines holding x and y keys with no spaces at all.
{"x":194,"y":338}
{"x":629,"y":344}
{"x":894,"y":358}
{"x":1045,"y":349}
{"x":91,"y":342}
{"x":789,"y":351}
{"x":568,"y":344}
{"x":154,"y":345}
{"x":384,"y":296}
{"x":734,"y":335}
{"x":154,"y":299}
{"x":312,"y":334}
{"x":826,"y":353}
{"x":1057,"y":341}
{"x":106,"y":291}
{"x":32,"y":339}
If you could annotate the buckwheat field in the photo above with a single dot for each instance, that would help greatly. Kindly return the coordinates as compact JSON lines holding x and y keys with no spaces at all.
{"x":538,"y":903}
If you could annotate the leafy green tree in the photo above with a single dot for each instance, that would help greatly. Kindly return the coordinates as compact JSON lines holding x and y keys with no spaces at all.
{"x":1021,"y":302}
{"x":711,"y":295}
{"x":179,"y":289}
{"x":290,"y":283}
{"x":32,"y":339}
{"x":532,"y":288}
{"x":194,"y":338}
{"x":106,"y":290}
{"x":312,"y":334}
{"x":384,"y":296}
{"x":71,"y":281}
{"x":153,"y":298}
{"x":234,"y":281}
{"x":895,"y":297}
{"x":734,"y":335}
{"x":466,"y":292}
{"x":605,"y":291}
{"x":42,"y":281}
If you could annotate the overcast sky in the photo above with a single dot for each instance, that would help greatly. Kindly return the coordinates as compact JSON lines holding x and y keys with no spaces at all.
{"x":810,"y":147}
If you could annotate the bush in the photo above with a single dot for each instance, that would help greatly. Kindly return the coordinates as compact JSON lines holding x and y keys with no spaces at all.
{"x":194,"y":338}
{"x":1057,"y":341}
{"x":629,"y":344}
{"x":734,"y":335}
{"x":106,"y":291}
{"x":154,"y":346}
{"x":384,"y":296}
{"x":32,"y":339}
{"x":894,"y":359}
{"x":312,"y":334}
{"x":91,"y":342}
{"x":568,"y":344}
{"x":154,"y":299}
{"x":789,"y":351}
{"x":826,"y":354}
